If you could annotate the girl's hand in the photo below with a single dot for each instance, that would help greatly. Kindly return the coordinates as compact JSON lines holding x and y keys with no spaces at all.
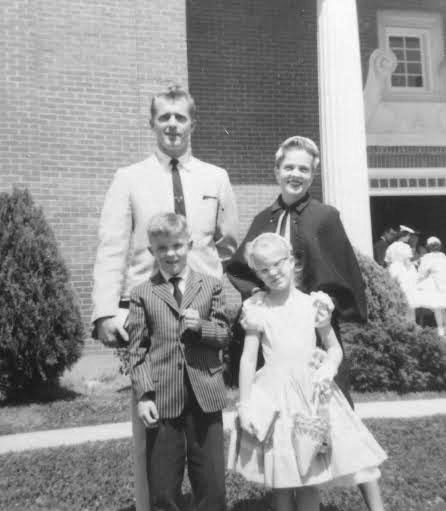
{"x":318,"y":358}
{"x":244,"y":420}
{"x":324,"y":376}
{"x":324,"y":306}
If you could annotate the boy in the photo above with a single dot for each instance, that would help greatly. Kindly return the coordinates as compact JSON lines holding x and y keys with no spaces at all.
{"x":177,"y":327}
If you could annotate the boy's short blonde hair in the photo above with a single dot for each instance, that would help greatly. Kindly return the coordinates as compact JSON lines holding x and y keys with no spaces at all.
{"x":263,"y":241}
{"x":167,"y":224}
{"x":297,"y":142}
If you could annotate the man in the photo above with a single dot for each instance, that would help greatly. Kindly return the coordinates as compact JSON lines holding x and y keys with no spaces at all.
{"x":173,"y":180}
{"x":325,"y":258}
{"x":380,"y":246}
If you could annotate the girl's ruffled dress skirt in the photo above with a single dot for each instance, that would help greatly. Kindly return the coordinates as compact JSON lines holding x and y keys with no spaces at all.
{"x":353,"y":455}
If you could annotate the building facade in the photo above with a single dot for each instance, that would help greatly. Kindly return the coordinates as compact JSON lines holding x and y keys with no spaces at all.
{"x":365,"y":79}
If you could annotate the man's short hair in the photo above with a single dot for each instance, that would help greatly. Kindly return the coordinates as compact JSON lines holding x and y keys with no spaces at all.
{"x":167,"y":224}
{"x":297,"y":142}
{"x":174,"y":93}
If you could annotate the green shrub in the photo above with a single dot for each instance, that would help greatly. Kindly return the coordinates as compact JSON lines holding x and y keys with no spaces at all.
{"x":390,"y":353}
{"x":395,"y":356}
{"x":385,"y":298}
{"x":41,"y":330}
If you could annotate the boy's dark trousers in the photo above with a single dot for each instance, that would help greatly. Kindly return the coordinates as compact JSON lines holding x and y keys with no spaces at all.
{"x":197,"y":437}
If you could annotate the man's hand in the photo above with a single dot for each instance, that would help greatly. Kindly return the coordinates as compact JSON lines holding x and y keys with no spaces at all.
{"x":147,"y":412}
{"x":192,"y":320}
{"x":110,"y":331}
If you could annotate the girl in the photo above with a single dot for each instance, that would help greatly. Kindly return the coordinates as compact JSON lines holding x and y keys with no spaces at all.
{"x":282,"y":321}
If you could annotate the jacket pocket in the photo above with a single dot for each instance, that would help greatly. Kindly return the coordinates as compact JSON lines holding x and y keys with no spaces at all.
{"x":215,"y":369}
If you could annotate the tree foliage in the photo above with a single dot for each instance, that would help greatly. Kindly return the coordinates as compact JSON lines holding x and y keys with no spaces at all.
{"x":41,"y":330}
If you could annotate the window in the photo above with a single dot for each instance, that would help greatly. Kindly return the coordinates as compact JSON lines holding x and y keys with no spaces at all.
{"x":408,"y":51}
{"x":416,"y":40}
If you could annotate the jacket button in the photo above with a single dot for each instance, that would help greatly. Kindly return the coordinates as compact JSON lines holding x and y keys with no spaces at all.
{"x":180,"y":366}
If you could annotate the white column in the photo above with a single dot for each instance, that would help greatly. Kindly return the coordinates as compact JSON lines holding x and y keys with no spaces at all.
{"x":341,"y":119}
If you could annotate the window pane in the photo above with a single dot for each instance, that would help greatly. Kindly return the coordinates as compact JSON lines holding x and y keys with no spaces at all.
{"x":413,"y":56}
{"x":396,"y":42}
{"x":398,"y":81}
{"x":412,"y":42}
{"x":414,"y":81}
{"x":414,"y":68}
{"x":400,"y":69}
{"x":399,"y":54}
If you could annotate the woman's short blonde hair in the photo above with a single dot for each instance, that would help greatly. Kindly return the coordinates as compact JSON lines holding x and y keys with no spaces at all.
{"x":297,"y":142}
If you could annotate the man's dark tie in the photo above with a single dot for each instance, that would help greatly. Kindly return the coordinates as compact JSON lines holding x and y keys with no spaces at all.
{"x":177,"y":294}
{"x":178,"y":196}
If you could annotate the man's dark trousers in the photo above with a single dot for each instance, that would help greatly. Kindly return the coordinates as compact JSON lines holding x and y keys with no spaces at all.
{"x":197,"y":437}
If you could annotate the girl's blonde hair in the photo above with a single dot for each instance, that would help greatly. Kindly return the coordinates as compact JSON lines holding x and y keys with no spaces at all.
{"x":265,"y":240}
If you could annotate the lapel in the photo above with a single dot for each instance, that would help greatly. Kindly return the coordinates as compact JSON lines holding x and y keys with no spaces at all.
{"x":193,"y":286}
{"x":161,"y":288}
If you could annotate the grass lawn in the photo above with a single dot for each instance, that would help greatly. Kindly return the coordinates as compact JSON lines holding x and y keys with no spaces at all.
{"x":97,"y":476}
{"x":94,"y":392}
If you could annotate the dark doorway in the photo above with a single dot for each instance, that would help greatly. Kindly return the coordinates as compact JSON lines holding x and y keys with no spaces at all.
{"x":426,"y":214}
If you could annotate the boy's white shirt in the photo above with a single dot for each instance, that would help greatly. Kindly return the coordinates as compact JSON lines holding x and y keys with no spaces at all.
{"x":122,"y":314}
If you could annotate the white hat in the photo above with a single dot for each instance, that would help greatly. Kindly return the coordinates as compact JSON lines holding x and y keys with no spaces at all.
{"x":406,"y":229}
{"x":433,"y":240}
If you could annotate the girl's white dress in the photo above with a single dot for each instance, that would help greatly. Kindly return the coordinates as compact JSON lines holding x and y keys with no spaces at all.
{"x":432,"y":281}
{"x":288,"y":342}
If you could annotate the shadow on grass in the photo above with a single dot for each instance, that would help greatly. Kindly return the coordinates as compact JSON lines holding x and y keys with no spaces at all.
{"x":126,"y":388}
{"x":46,"y":392}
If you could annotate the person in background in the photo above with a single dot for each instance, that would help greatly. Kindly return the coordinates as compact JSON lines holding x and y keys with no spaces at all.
{"x":402,"y":236}
{"x":401,"y":267}
{"x":171,"y":179}
{"x":432,"y":282}
{"x":380,"y":246}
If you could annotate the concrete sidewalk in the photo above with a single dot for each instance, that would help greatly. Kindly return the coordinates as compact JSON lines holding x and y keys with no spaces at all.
{"x":74,"y":436}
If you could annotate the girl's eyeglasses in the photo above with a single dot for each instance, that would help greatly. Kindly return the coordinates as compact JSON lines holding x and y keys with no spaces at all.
{"x":277,"y":266}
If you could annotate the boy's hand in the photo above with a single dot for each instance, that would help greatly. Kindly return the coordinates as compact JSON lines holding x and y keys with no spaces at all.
{"x":147,"y":412}
{"x":192,"y":320}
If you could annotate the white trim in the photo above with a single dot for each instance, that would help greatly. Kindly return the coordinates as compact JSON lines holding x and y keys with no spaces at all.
{"x":415,"y":172}
{"x":409,"y":139}
{"x":415,"y":189}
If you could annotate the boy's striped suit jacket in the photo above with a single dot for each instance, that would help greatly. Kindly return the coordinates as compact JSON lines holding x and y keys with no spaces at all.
{"x":161,"y":349}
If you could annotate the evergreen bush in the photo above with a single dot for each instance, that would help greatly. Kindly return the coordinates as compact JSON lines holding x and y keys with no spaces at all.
{"x":41,"y":331}
{"x":391,"y":353}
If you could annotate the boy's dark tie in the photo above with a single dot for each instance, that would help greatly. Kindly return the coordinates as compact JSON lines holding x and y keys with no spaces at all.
{"x":178,"y":196}
{"x":177,"y":294}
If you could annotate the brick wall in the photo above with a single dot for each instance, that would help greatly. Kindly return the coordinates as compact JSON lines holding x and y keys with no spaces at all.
{"x":78,"y":77}
{"x":253,"y":71}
